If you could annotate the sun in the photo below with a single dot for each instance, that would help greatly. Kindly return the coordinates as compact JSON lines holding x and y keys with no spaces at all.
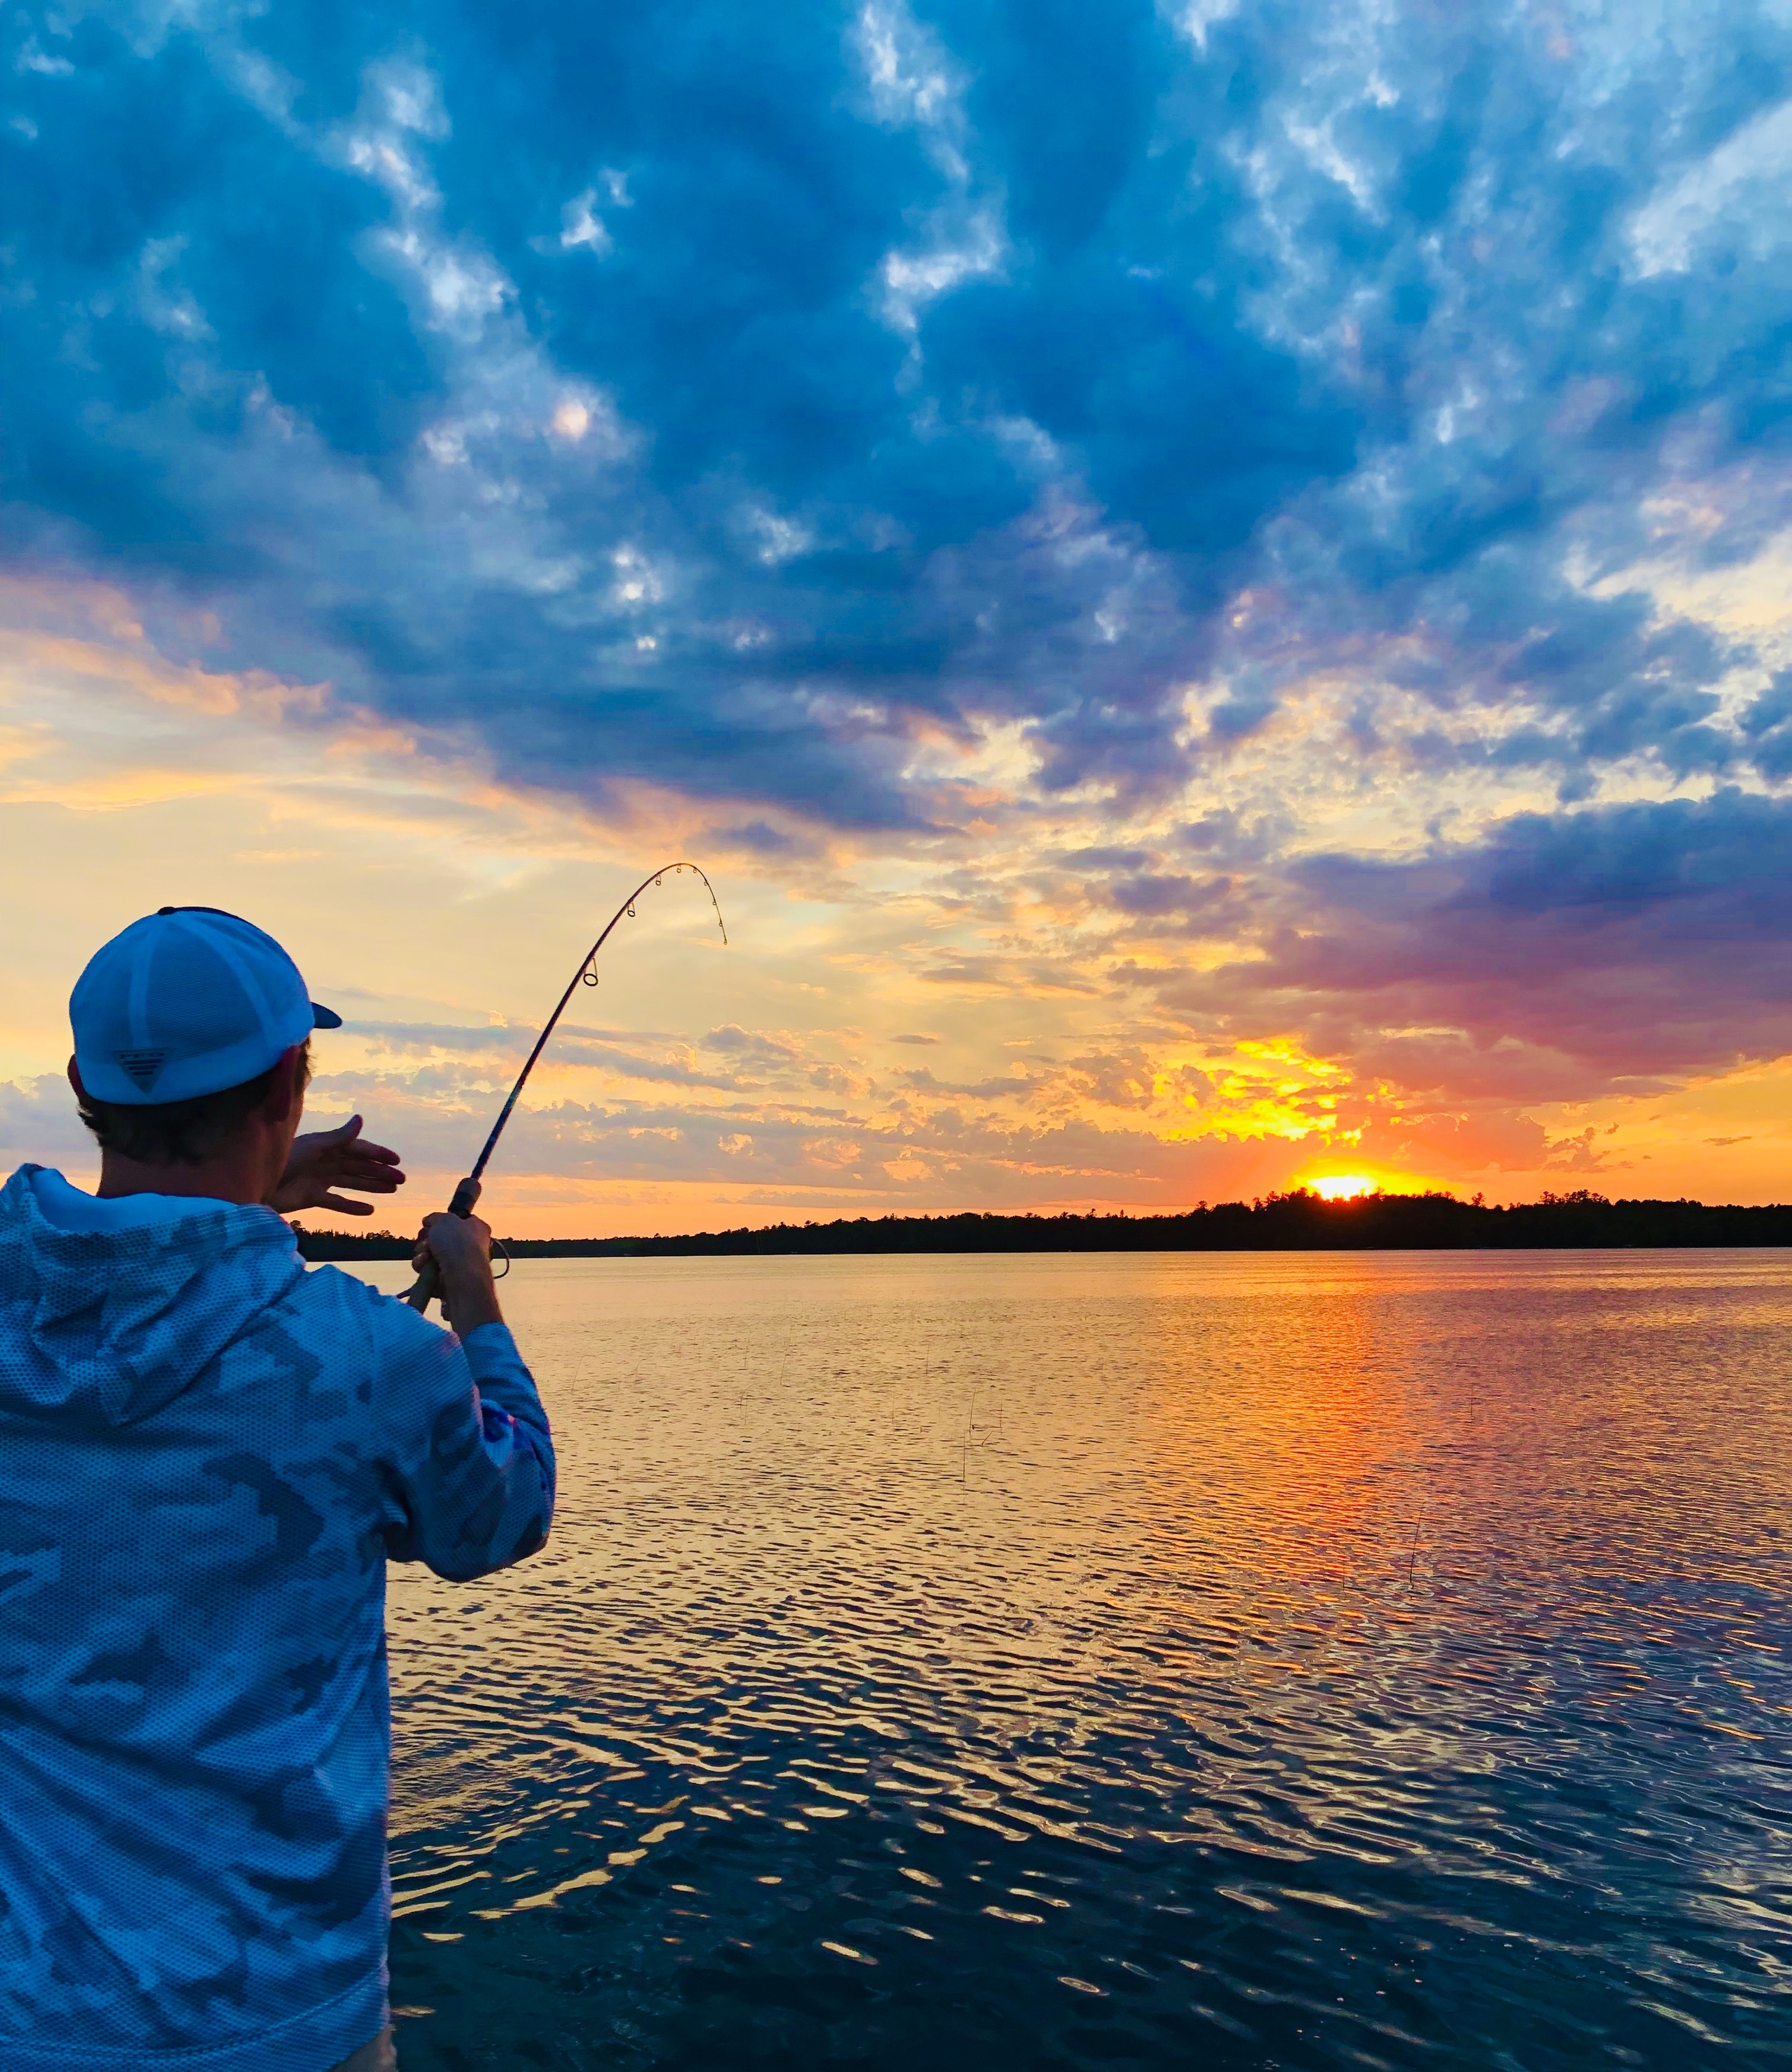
{"x":1342,"y":1186}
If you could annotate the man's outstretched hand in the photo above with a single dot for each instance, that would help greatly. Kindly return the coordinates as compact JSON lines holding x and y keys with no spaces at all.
{"x":327,"y":1159}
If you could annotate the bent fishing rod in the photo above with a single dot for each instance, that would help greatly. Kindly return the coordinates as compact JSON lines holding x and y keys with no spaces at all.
{"x":429,"y":1282}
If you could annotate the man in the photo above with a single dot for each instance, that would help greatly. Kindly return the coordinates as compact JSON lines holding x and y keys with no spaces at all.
{"x":207,"y":1455}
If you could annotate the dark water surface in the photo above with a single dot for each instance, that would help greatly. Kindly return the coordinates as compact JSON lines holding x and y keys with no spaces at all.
{"x":1231,"y":1661}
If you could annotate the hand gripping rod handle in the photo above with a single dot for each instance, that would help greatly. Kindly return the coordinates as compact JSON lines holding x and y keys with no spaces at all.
{"x":428,"y":1283}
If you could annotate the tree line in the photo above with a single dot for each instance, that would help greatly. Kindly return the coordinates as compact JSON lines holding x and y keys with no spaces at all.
{"x":1297,"y":1221}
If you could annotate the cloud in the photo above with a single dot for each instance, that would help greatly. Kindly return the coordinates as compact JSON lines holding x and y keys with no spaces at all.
{"x":37,"y":1121}
{"x":1245,"y":544}
{"x":732,"y":1041}
{"x":491,"y":421}
{"x":1735,"y":190}
{"x":412,"y":1038}
{"x":813,"y":1155}
{"x":1561,"y":956}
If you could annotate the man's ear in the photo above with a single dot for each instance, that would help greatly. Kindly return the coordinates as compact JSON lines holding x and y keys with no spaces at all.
{"x":74,"y":1081}
{"x":286,"y":1088}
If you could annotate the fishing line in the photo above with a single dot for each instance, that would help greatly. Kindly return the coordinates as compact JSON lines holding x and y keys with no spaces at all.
{"x":429,"y":1282}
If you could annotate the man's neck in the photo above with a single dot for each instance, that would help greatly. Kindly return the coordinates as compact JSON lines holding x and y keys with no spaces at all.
{"x":218,"y":1180}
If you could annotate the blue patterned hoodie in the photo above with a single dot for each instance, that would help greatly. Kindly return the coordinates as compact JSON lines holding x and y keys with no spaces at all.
{"x":207,"y":1455}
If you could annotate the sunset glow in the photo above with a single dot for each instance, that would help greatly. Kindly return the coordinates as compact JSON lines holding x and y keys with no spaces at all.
{"x":1181,"y":672}
{"x":1343,"y":1186}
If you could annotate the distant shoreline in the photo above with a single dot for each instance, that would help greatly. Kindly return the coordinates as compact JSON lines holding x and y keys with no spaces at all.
{"x":1297,"y":1222}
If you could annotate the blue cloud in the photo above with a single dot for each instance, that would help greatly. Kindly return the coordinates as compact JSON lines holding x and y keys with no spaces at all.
{"x":718,"y":395}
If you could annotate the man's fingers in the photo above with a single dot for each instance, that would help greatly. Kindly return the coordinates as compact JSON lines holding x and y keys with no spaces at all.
{"x":343,"y":1207}
{"x":344,"y":1133}
{"x":370,"y":1179}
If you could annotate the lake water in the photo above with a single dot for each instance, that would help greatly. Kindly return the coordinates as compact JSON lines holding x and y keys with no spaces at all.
{"x":1238,"y":1661}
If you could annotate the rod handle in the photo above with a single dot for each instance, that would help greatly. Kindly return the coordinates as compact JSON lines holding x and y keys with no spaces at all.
{"x":427,"y":1286}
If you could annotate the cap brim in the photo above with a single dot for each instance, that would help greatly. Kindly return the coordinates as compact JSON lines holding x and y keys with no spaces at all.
{"x":325,"y":1018}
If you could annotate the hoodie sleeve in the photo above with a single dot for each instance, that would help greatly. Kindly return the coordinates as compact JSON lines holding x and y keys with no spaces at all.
{"x":471,"y":1461}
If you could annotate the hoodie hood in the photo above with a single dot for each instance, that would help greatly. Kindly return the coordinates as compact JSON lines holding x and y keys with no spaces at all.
{"x":107,"y":1326}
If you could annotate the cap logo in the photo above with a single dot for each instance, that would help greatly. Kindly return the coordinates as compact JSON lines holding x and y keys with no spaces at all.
{"x":143,"y":1067}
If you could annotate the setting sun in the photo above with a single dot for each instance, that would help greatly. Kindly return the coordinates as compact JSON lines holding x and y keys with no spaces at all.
{"x":1343,"y":1186}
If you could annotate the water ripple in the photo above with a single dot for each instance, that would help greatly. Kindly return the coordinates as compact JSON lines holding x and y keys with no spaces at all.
{"x":1278,"y":1661}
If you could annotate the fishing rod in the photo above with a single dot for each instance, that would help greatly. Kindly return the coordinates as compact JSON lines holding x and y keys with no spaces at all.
{"x":429,"y":1282}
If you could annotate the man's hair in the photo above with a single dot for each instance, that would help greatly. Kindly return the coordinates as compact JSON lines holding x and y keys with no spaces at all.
{"x":183,"y":1132}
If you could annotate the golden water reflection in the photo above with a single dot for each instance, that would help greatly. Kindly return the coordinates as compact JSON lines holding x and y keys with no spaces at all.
{"x":1278,"y":1658}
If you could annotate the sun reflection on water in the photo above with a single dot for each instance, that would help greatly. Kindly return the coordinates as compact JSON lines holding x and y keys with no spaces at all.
{"x":1052,"y":1659}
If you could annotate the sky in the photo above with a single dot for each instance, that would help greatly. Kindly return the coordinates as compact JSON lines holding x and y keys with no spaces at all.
{"x":1210,"y":583}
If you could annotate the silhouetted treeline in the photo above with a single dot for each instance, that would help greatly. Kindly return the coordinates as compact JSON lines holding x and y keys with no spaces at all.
{"x":1297,"y":1222}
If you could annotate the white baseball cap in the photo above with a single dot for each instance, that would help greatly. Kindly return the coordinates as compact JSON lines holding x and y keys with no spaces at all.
{"x":187,"y":1001}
